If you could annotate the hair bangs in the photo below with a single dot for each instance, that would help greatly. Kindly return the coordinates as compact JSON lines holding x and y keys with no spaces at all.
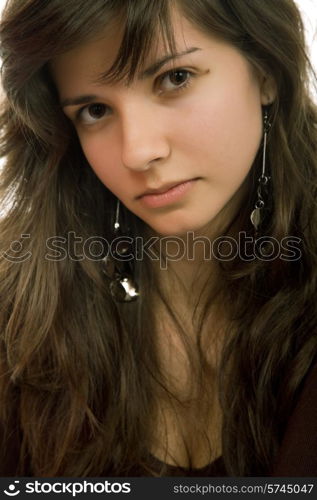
{"x":144,"y":24}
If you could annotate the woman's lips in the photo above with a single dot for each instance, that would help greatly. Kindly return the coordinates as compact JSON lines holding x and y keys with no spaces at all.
{"x":175,"y":193}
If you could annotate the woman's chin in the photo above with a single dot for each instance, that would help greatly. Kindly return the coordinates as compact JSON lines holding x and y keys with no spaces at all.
{"x":178,"y":231}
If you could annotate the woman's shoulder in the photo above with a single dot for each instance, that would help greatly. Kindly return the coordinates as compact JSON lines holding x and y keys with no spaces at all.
{"x":298,"y":452}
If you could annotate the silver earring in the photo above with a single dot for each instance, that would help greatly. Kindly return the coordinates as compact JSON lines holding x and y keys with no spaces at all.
{"x":119,"y":271}
{"x":116,"y":222}
{"x":258,"y":211}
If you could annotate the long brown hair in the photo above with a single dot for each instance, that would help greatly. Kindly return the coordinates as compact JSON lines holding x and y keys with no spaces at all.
{"x":79,"y":372}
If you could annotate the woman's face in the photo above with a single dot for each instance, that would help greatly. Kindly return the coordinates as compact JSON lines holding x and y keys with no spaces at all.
{"x":193,"y":122}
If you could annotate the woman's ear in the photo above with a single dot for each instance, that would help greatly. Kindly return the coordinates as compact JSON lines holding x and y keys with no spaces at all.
{"x":268,"y":89}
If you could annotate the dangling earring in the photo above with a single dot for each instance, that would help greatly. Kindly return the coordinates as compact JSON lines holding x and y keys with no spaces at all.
{"x":119,"y":271}
{"x":258,"y":211}
{"x":116,"y":222}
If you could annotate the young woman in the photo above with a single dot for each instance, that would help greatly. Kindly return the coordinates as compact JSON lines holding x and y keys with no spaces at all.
{"x":158,"y":248}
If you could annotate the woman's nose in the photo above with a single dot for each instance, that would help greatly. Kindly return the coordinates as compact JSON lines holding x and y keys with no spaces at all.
{"x":144,"y":138}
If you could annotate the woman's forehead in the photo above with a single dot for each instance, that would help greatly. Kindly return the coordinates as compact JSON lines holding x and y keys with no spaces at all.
{"x":91,"y":61}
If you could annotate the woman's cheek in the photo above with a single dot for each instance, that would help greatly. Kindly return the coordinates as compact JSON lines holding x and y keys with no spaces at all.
{"x":98,"y":156}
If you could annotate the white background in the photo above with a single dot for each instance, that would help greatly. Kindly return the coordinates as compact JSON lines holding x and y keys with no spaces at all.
{"x":309,"y":13}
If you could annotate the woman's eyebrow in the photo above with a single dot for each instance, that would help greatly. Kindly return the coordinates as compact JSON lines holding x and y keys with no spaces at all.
{"x":81,"y":99}
{"x":150,"y":71}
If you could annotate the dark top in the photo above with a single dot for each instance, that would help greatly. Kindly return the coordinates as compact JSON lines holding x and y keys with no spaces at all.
{"x":297,"y":455}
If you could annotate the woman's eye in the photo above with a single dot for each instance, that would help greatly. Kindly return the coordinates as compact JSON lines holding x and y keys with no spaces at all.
{"x":171,"y":81}
{"x":91,"y":113}
{"x":176,"y":79}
